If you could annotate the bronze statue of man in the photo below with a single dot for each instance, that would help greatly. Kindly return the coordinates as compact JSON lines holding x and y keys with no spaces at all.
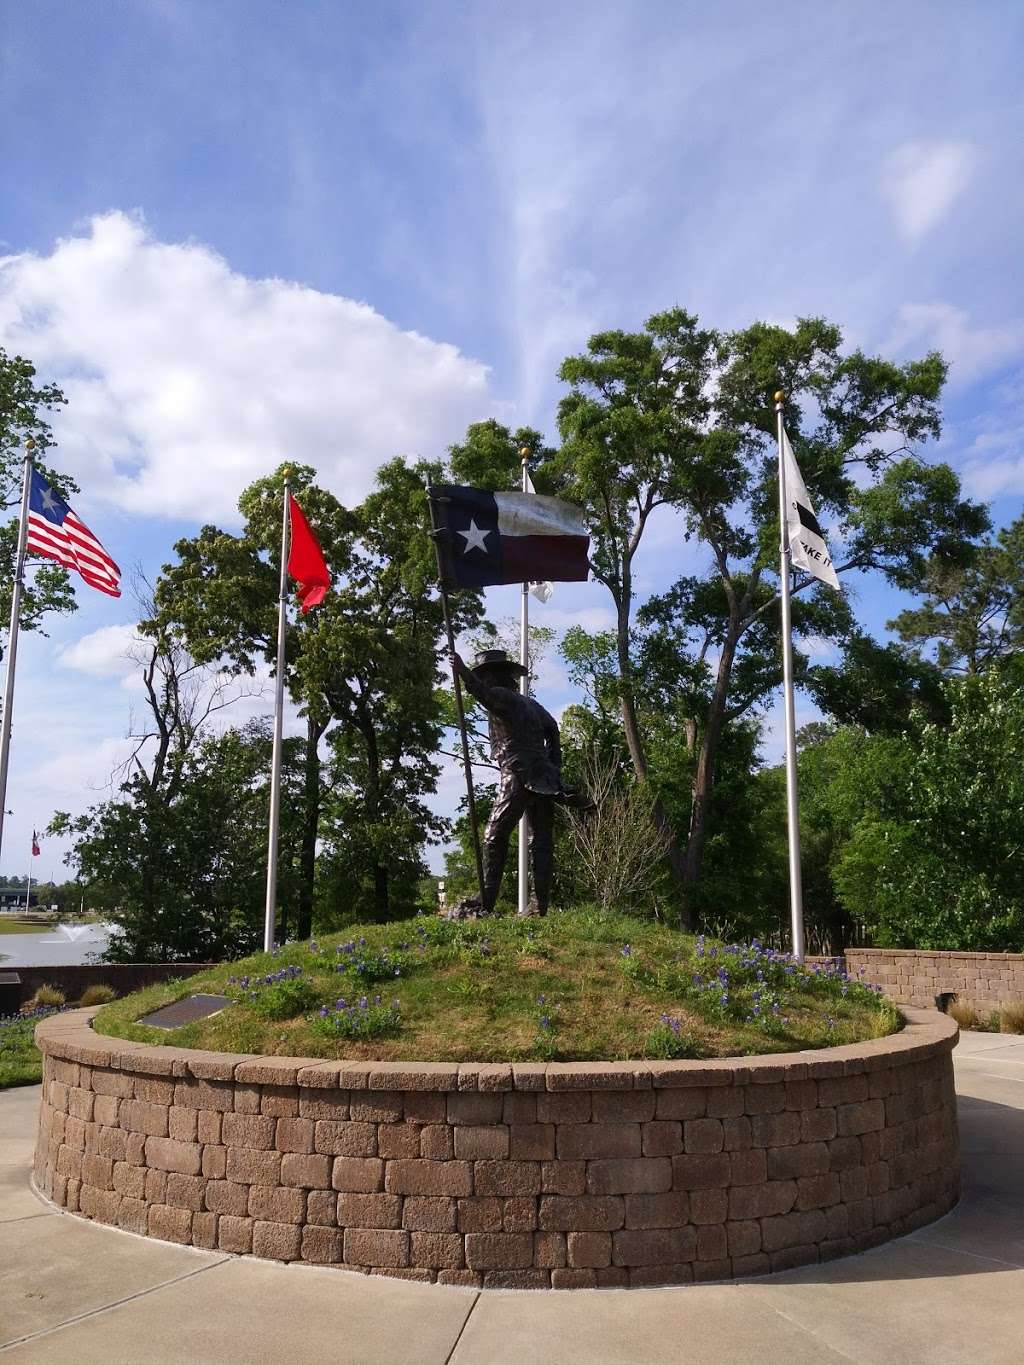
{"x":527,"y":748}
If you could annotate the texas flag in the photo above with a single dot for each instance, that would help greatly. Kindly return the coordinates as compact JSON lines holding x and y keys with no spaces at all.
{"x":488,"y":538}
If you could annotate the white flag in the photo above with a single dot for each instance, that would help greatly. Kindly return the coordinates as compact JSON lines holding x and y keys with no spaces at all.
{"x":807,"y":548}
{"x":542,"y":591}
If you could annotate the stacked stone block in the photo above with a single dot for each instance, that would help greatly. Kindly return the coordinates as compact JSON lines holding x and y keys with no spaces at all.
{"x":985,"y":980}
{"x":525,"y":1176}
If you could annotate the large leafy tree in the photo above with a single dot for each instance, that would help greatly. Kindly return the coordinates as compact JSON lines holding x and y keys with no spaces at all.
{"x":220,"y":599}
{"x":681,"y":416}
{"x":176,"y":865}
{"x":24,"y":404}
{"x":923,"y":830}
{"x":972,"y":615}
{"x":362,"y":667}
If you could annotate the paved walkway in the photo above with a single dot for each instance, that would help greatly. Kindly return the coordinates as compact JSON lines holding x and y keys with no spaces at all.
{"x":951,"y":1294}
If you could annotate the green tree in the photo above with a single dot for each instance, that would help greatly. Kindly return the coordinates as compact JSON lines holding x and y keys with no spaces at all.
{"x":179,"y":870}
{"x":972,"y":615}
{"x":362,"y":667}
{"x":23,"y":404}
{"x":682,"y":416}
{"x":936,"y":858}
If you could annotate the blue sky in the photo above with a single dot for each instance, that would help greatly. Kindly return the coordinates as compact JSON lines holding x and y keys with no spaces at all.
{"x":242,"y":232}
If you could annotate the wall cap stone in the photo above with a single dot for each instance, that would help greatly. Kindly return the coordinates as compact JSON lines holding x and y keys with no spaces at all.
{"x":71,"y":1037}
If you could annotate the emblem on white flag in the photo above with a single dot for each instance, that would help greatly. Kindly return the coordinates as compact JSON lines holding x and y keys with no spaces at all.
{"x":807,"y":548}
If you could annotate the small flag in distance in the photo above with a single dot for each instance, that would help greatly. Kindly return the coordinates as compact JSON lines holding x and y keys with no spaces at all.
{"x":306,"y":562}
{"x":807,"y":548}
{"x":35,"y":844}
{"x":56,"y":532}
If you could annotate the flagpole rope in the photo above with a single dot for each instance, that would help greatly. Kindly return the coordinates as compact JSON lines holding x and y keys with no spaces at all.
{"x":796,"y":906}
{"x":524,"y":687}
{"x":12,"y":638}
{"x":270,"y":910}
{"x":437,"y":532}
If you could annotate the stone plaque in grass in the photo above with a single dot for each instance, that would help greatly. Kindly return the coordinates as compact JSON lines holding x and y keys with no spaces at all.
{"x":186,"y":1011}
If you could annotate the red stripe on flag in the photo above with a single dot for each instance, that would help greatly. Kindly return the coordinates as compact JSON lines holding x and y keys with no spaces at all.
{"x":562,"y":559}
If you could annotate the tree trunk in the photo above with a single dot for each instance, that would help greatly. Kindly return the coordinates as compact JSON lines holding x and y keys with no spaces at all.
{"x":381,"y":899}
{"x":310,"y":827}
{"x":704,"y":774}
{"x":673,"y":852}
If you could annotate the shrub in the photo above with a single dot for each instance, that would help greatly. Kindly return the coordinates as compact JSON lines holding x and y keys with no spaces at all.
{"x":964,"y":1013}
{"x":361,"y":1018}
{"x":667,"y":1040}
{"x":98,"y":994}
{"x":617,"y":843}
{"x":46,"y":996}
{"x":369,"y":966}
{"x":1011,"y":1017}
{"x":279,"y":995}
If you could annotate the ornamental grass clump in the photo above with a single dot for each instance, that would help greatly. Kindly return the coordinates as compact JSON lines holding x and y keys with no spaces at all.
{"x":1011,"y":1017}
{"x":46,"y":997}
{"x":358,"y":1019}
{"x":98,"y":994}
{"x":964,"y":1013}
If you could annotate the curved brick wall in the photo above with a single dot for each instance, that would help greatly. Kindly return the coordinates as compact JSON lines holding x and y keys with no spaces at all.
{"x":533,"y":1175}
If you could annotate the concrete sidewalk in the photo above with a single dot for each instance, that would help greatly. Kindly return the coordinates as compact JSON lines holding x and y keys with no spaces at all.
{"x":949,"y":1294}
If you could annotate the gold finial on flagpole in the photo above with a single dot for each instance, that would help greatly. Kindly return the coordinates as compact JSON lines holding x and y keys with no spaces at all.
{"x":524,"y":454}
{"x":780,"y":395}
{"x":30,"y":444}
{"x":286,"y":473}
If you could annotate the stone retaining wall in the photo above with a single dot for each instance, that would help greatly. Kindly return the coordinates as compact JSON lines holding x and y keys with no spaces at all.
{"x":73,"y":978}
{"x":524,"y":1175}
{"x":985,"y":980}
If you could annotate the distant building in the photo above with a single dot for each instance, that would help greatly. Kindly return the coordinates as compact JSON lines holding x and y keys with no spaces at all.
{"x":13,"y":898}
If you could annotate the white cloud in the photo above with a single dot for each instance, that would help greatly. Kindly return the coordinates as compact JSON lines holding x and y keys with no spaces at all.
{"x":922,"y":181}
{"x":972,"y":351}
{"x":186,"y":380}
{"x":104,"y":653}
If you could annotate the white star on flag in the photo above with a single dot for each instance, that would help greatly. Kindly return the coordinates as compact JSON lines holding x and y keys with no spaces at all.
{"x":475,"y":538}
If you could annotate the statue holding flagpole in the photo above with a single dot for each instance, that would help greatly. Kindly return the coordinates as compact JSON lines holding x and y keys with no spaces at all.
{"x":485,"y":538}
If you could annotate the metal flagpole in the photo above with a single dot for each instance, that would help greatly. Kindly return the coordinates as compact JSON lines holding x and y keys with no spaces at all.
{"x":796,"y":899}
{"x":437,"y":532}
{"x":524,"y":687}
{"x":12,"y":639}
{"x":270,"y":915}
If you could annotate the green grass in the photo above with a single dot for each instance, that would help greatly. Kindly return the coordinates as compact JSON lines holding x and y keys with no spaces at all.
{"x":574,"y":986}
{"x":10,"y":925}
{"x":21,"y":1062}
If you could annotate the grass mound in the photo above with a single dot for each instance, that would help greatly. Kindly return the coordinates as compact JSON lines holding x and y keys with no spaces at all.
{"x":575,"y":986}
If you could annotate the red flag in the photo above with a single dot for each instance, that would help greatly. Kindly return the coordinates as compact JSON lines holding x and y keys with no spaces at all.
{"x":35,"y":844}
{"x":306,"y":561}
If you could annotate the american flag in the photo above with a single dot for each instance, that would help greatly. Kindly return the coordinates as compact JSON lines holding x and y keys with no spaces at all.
{"x":55,"y":531}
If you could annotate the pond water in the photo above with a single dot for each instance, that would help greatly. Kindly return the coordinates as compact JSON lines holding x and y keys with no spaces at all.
{"x":59,"y":945}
